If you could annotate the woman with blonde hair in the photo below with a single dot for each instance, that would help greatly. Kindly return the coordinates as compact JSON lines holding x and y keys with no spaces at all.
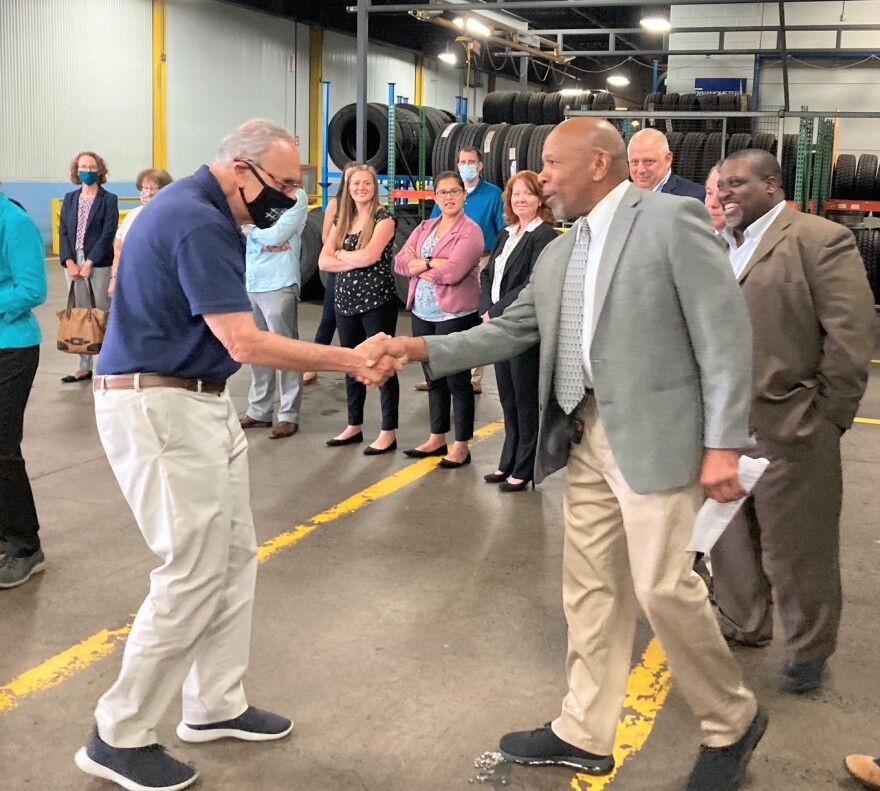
{"x":359,"y":250}
{"x":509,"y":268}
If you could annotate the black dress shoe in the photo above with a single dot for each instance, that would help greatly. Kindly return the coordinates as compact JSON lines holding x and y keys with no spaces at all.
{"x":448,"y":464}
{"x":721,"y":768}
{"x":507,"y":486}
{"x":495,"y":477}
{"x":371,"y":451}
{"x":415,"y":453}
{"x":799,"y":677}
{"x":70,"y":378}
{"x":354,"y":439}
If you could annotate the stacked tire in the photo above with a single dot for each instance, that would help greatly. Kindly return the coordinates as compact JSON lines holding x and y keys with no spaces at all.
{"x":868,"y":242}
{"x":541,"y":109}
{"x":670,"y":103}
{"x":856,"y":179}
{"x":342,"y":135}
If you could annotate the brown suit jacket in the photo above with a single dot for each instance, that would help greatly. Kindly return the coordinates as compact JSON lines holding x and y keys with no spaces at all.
{"x":812,"y":315}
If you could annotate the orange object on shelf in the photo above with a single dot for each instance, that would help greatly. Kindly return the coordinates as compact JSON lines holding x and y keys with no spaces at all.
{"x":412,"y":194}
{"x":852,"y":205}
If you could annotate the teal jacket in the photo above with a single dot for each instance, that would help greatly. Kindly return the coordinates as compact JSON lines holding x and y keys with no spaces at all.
{"x":22,"y":277}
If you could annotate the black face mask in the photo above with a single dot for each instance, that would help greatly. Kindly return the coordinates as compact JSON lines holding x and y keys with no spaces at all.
{"x":268,"y":206}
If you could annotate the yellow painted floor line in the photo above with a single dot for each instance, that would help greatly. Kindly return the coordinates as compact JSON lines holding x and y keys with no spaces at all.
{"x":646,"y":691}
{"x":871,"y":420}
{"x":68,"y":663}
{"x":876,"y":362}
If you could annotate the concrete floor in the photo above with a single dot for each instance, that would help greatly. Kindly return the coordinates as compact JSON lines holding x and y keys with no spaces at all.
{"x":404,"y":637}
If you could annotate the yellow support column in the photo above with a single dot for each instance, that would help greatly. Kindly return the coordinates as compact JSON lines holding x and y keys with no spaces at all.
{"x":160,"y":114}
{"x":419,"y":95}
{"x":316,"y":74}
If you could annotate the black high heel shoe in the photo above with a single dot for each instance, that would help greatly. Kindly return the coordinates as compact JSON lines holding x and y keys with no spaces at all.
{"x":515,"y":487}
{"x":495,"y":477}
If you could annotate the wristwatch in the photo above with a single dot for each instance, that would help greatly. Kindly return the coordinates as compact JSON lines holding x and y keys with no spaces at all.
{"x":428,"y":261}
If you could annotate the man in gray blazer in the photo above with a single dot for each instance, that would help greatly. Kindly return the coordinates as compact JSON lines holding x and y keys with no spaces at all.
{"x":661,"y":383}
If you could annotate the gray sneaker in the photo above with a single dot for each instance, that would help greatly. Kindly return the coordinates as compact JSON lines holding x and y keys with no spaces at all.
{"x":134,"y":768}
{"x":255,"y":725}
{"x":17,"y":571}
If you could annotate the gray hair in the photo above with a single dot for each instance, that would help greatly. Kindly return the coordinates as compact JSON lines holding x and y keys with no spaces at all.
{"x":251,"y":140}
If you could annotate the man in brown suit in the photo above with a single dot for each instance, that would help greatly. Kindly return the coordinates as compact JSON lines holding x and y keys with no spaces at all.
{"x":813,"y":332}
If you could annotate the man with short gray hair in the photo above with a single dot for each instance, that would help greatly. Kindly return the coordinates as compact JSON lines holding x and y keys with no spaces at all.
{"x":181,"y":325}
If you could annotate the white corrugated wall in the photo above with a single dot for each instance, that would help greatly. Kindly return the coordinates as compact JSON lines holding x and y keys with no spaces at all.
{"x":225,"y":65}
{"x":74,"y":75}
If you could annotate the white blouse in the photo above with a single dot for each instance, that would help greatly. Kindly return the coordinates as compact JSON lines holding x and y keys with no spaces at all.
{"x":513,"y":239}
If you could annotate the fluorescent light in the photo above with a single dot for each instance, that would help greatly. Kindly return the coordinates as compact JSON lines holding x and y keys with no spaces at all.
{"x":618,"y":81}
{"x":572,"y":92}
{"x":448,"y":57}
{"x":458,"y":22}
{"x":477,"y":28}
{"x":656,"y":24}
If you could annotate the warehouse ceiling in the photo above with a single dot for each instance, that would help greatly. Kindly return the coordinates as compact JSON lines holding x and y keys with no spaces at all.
{"x":403,"y":30}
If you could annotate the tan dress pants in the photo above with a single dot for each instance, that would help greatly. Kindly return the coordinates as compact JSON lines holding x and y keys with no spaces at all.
{"x":624,"y":550}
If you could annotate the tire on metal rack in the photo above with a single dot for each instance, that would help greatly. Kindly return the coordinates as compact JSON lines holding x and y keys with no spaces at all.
{"x":342,"y":136}
{"x":687,"y":103}
{"x":766,"y":142}
{"x":472,"y":136}
{"x":521,"y":108}
{"x":739,"y":142}
{"x":536,"y":147}
{"x":493,"y":142}
{"x":517,"y":150}
{"x":675,"y":141}
{"x":709,"y":104}
{"x":310,"y":250}
{"x":692,"y":154}
{"x":843,"y":179}
{"x":866,"y":175}
{"x":789,"y":164}
{"x":603,"y":100}
{"x":495,"y":108}
{"x":711,"y":154}
{"x":738,"y":123}
{"x":536,"y":108}
{"x":406,"y":223}
{"x":551,"y":103}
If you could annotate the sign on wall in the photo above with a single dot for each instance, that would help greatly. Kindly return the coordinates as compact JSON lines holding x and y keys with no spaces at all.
{"x":735,"y":85}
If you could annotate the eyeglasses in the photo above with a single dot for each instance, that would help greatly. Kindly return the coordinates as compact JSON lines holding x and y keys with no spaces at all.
{"x":89,"y":168}
{"x":283,"y":185}
{"x":453,"y":193}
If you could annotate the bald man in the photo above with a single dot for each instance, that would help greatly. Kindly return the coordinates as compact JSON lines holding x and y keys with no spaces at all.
{"x":650,"y":166}
{"x":644,"y":387}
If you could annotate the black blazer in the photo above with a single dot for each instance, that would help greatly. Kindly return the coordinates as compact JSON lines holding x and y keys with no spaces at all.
{"x":517,"y":270}
{"x":100,"y":229}
{"x":679,"y":186}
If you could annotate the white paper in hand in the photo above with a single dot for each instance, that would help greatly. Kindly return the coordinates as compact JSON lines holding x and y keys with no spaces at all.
{"x":714,"y":517}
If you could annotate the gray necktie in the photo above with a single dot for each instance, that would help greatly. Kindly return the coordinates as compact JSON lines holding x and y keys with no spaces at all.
{"x":568,"y":377}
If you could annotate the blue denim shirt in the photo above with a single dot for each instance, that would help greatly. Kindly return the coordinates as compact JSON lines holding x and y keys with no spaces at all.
{"x":268,"y":271}
{"x":22,"y":277}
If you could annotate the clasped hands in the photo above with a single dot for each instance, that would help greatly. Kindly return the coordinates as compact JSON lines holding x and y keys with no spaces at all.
{"x":381,"y":356}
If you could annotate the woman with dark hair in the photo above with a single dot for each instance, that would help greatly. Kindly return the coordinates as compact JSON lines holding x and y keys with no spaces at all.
{"x":148,"y":182}
{"x":359,"y":249}
{"x":89,"y":217}
{"x":510,"y":266}
{"x":442,"y":259}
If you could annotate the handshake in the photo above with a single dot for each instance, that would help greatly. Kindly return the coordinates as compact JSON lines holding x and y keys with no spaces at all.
{"x":381,"y":356}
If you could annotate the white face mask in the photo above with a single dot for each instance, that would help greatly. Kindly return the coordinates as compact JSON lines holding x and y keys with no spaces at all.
{"x":468,"y":172}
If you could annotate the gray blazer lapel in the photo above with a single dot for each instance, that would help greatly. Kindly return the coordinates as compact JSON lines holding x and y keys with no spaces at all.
{"x":618,"y":233}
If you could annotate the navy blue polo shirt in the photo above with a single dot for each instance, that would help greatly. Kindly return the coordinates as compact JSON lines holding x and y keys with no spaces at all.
{"x":182,"y":257}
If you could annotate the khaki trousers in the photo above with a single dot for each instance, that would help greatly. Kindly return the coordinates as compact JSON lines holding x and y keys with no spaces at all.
{"x":623,"y":550}
{"x":785,"y":541}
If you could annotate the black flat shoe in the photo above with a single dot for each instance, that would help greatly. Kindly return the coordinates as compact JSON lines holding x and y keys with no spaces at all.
{"x":507,"y":486}
{"x":415,"y":453}
{"x":70,"y":379}
{"x":495,"y":477}
{"x":371,"y":451}
{"x":448,"y":464}
{"x":354,"y":439}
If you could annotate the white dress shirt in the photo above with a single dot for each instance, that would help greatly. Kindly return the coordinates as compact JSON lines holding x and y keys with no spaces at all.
{"x":658,"y":187}
{"x":513,"y":239}
{"x":599,"y":220}
{"x":740,"y":256}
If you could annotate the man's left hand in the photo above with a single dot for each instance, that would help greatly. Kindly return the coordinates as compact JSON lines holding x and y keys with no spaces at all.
{"x":720,"y":475}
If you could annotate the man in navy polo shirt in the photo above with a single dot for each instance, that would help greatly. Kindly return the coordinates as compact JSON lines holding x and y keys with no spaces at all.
{"x":180,"y":326}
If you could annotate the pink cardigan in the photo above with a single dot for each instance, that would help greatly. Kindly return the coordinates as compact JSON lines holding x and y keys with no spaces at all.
{"x":458,"y":280}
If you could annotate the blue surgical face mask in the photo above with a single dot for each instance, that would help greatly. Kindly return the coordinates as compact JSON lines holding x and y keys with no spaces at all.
{"x":88,"y":177}
{"x":468,"y":172}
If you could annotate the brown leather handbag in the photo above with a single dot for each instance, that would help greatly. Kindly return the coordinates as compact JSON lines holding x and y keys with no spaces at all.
{"x":81,"y":330}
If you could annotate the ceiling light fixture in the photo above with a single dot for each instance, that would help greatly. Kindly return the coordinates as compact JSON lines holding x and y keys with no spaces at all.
{"x":618,"y":81}
{"x":656,"y":24}
{"x":477,"y":28}
{"x":448,"y":56}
